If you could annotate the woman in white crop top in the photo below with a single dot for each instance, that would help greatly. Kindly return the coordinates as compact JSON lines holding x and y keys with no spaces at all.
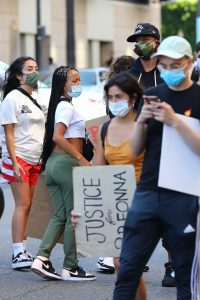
{"x":62,"y":150}
{"x":22,"y":134}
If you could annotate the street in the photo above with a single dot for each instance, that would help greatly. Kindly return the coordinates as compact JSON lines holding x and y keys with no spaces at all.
{"x":27,"y":285}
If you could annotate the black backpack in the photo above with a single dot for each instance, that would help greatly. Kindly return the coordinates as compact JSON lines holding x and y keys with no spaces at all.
{"x":104,"y":130}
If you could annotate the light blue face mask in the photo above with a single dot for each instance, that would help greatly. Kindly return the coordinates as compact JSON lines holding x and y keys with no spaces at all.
{"x":76,"y":90}
{"x":120,"y":108}
{"x":172,"y":77}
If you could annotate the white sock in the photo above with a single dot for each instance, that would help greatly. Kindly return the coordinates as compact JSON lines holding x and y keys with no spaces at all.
{"x":17,"y":248}
{"x":42,"y":257}
{"x":24,"y":244}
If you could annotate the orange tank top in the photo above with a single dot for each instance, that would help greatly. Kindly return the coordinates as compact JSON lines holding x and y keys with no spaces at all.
{"x":123,"y":155}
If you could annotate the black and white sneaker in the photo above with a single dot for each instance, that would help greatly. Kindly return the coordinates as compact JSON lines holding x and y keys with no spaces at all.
{"x":45,"y":269}
{"x":76,"y":274}
{"x":21,"y":261}
{"x":105,"y":265}
{"x":29,"y":255}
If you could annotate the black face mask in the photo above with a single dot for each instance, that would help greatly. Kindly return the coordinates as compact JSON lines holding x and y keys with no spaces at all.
{"x":145,"y":49}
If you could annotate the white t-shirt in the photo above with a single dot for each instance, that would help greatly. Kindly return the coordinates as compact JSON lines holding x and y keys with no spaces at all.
{"x":68,"y":115}
{"x":29,"y":130}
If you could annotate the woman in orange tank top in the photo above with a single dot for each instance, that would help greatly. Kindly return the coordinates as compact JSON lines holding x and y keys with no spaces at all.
{"x":122,"y":95}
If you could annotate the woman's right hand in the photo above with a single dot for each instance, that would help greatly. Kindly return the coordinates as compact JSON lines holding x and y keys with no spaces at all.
{"x":83,"y":162}
{"x":17,"y":170}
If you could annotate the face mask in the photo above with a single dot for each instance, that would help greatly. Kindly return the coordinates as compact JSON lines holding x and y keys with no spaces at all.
{"x":145,"y":49}
{"x":172,"y":77}
{"x":32,"y":79}
{"x":76,"y":90}
{"x":119,"y":108}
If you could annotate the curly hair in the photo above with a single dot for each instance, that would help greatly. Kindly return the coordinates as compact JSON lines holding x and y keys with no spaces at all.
{"x":122,"y":63}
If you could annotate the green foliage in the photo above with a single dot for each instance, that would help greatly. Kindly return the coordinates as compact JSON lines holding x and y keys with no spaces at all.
{"x":180,"y":17}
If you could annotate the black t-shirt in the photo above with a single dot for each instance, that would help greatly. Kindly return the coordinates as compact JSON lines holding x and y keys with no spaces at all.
{"x":181,"y":102}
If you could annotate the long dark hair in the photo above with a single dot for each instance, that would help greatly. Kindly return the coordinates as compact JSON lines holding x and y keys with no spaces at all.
{"x":127,"y":83}
{"x":15,"y":69}
{"x":58,"y":83}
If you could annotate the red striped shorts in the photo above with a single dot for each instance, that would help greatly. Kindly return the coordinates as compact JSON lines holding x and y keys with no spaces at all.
{"x":31,"y":171}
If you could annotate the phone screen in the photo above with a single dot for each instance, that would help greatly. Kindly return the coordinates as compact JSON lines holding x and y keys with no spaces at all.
{"x":151,"y":98}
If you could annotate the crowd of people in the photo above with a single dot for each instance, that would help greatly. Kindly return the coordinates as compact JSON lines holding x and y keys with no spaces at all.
{"x":142,"y":95}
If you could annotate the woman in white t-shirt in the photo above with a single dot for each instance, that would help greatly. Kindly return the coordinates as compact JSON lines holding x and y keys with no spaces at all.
{"x":22,"y":134}
{"x":62,"y":150}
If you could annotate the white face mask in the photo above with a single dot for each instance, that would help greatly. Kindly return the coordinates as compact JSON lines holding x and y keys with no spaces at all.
{"x":119,"y":108}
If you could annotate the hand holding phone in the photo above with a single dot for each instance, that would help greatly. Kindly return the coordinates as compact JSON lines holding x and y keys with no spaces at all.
{"x":19,"y":177}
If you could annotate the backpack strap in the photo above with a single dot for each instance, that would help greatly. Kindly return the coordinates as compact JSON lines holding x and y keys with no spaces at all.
{"x":29,"y":96}
{"x":104,"y":130}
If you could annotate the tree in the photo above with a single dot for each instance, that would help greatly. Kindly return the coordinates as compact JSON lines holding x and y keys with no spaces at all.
{"x":179,"y":17}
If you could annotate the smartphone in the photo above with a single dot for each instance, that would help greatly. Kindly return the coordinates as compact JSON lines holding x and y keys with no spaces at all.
{"x":19,"y":178}
{"x":150,"y":99}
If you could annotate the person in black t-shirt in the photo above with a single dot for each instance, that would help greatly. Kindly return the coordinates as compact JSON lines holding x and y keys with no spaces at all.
{"x":146,"y":38}
{"x":156,"y":211}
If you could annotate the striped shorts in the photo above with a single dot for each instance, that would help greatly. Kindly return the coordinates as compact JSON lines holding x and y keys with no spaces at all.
{"x":30,"y":174}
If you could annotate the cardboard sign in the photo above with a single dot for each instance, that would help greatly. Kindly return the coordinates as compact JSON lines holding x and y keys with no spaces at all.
{"x":179,"y":164}
{"x":93,"y":125}
{"x":102,"y":195}
{"x":41,"y":211}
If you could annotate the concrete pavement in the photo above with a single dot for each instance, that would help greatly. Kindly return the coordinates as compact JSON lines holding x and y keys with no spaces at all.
{"x":27,"y":285}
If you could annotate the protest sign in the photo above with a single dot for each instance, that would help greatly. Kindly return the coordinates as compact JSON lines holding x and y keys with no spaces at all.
{"x":179,"y":164}
{"x":41,"y":211}
{"x":102,"y":195}
{"x":92,"y":127}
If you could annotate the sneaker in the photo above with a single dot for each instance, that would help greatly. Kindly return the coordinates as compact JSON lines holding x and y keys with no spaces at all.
{"x":76,"y":274}
{"x":105,"y":265}
{"x":146,"y":268}
{"x":45,"y":269}
{"x":21,"y":261}
{"x":29,"y":255}
{"x":169,"y":277}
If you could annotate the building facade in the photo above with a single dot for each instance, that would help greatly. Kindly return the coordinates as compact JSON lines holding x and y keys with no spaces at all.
{"x":39,"y":28}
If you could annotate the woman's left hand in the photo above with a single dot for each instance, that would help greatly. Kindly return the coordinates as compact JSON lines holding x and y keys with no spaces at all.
{"x":164,"y":113}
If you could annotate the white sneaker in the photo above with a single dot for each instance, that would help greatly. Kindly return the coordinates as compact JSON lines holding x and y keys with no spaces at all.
{"x":105,"y":265}
{"x":45,"y":269}
{"x":76,"y":274}
{"x":21,"y":261}
{"x":29,"y":255}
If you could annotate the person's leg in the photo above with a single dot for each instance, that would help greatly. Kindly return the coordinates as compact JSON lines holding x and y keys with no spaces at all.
{"x":179,"y":214}
{"x":141,"y":291}
{"x":56,"y":225}
{"x":142,"y":231}
{"x":42,"y":265}
{"x":21,"y":194}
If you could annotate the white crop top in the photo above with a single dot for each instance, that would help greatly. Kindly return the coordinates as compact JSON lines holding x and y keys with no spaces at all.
{"x":68,"y":115}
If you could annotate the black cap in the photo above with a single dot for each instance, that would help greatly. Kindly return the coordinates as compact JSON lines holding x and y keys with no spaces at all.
{"x":144,"y":29}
